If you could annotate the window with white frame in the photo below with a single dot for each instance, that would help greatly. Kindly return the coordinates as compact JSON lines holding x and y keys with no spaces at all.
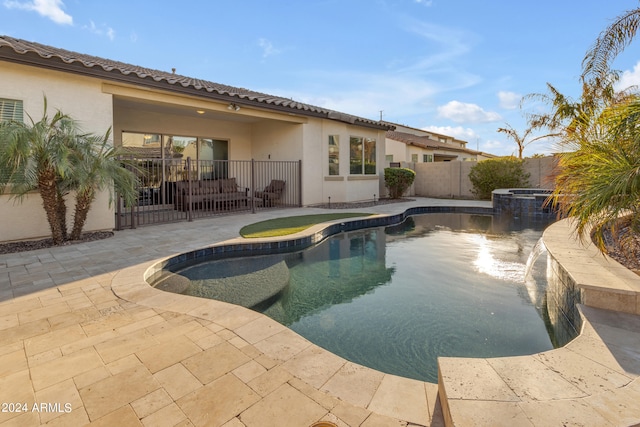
{"x":427,"y":158}
{"x":362,"y":156}
{"x":11,"y":110}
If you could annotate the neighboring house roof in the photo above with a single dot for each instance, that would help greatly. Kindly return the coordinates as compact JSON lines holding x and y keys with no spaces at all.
{"x":426,"y":142}
{"x":36,"y":54}
{"x":400,"y":127}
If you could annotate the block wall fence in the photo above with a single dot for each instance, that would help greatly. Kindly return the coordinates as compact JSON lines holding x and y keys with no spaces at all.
{"x":451,"y":179}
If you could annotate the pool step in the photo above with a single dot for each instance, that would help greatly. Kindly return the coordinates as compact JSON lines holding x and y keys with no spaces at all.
{"x":592,"y":381}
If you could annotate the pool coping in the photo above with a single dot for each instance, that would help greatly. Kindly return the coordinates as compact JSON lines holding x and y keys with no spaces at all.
{"x":130,"y":284}
{"x":593,"y":380}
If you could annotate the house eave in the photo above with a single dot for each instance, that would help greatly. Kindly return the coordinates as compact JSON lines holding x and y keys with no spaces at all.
{"x":33,"y":59}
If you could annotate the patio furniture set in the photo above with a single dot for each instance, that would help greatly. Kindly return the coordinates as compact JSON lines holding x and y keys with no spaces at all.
{"x":223,"y":194}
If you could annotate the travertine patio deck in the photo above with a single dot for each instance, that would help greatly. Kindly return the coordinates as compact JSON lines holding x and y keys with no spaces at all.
{"x":68,"y":342}
{"x":82,"y":334}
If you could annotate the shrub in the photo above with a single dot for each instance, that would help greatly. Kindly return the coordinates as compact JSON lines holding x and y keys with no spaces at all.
{"x":398,"y":180}
{"x":502,"y":172}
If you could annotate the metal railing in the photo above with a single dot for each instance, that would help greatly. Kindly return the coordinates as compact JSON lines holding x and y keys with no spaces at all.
{"x":184,"y":189}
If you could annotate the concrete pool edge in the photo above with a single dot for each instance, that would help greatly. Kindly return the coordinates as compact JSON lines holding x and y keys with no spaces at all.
{"x":400,"y":398}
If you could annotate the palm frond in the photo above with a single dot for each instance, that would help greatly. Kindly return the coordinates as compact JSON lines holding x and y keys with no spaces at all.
{"x":609,"y":44}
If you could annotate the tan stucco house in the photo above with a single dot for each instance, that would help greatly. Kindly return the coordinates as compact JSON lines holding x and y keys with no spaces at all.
{"x":153,"y":112}
{"x":406,"y":144}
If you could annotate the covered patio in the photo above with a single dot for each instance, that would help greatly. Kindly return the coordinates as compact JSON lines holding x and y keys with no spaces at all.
{"x":196,"y":159}
{"x":194,"y":138}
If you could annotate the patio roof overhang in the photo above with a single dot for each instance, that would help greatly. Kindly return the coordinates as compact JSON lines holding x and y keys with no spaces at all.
{"x":162,"y":102}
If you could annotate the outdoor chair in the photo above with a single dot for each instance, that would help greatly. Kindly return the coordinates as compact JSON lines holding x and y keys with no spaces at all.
{"x":271,"y":192}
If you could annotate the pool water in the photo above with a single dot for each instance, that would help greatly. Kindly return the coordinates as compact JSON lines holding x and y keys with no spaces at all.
{"x":396,"y":298}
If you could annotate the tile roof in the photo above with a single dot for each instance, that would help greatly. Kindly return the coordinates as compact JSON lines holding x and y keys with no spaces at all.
{"x":426,"y":142}
{"x":32,"y":53}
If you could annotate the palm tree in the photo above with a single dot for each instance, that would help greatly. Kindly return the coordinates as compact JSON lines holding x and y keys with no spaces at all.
{"x":599,"y":179}
{"x":521,"y":140}
{"x":36,"y":156}
{"x":596,"y":64}
{"x":96,"y":168}
{"x":54,"y":158}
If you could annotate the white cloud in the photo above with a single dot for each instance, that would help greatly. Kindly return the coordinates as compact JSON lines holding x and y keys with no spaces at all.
{"x":509,"y":100}
{"x":267,"y":48}
{"x":51,"y":9}
{"x":629,"y":78}
{"x":461,"y":112}
{"x":458,"y":132}
{"x":425,"y":2}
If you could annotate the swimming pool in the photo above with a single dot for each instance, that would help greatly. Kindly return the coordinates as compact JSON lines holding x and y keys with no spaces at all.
{"x":395,"y":298}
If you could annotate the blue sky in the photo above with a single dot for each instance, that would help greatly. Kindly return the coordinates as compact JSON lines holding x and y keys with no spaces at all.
{"x":457,"y":67}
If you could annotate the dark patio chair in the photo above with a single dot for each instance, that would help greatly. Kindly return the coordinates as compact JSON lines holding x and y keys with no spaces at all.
{"x":271,"y":192}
